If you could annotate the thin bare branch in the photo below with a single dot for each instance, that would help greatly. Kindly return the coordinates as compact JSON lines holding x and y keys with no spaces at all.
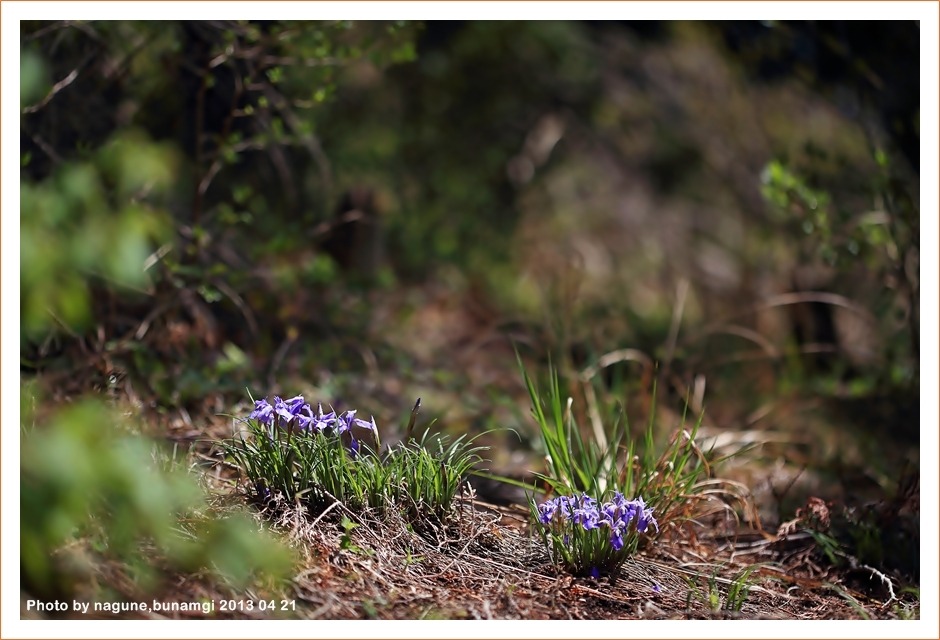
{"x":56,"y":88}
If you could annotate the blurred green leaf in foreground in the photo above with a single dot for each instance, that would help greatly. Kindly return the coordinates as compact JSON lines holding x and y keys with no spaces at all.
{"x":91,"y":491}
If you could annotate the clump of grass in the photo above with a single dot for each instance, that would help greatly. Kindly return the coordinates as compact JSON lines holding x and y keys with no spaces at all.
{"x":320,"y":459}
{"x":600,"y":476}
{"x":733,"y":598}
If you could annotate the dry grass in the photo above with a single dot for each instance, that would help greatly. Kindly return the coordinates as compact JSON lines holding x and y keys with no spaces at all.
{"x":483,"y":564}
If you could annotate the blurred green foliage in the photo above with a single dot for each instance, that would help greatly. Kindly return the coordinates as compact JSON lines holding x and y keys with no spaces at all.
{"x":91,"y":219}
{"x":85,"y":476}
{"x":790,"y":194}
{"x":449,"y":125}
{"x":250,"y":134}
{"x":96,"y":217}
{"x":880,"y":244}
{"x":92,"y":214}
{"x":171,"y":169}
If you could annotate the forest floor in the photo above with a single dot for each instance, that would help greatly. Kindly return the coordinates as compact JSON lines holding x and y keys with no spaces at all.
{"x":764,"y":557}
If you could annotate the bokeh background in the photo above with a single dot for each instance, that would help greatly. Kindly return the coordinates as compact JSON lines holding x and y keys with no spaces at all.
{"x":371,"y":212}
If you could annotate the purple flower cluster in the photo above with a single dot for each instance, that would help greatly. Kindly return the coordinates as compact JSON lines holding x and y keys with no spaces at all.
{"x":584,"y":511}
{"x":296,"y":413}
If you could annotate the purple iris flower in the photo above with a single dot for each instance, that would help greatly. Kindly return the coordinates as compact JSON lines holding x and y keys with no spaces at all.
{"x":585,"y":514}
{"x":322,"y":421}
{"x":293,"y":411}
{"x":564,"y":504}
{"x":303,"y":421}
{"x":611,"y":512}
{"x":620,"y":502}
{"x":547,"y":511}
{"x":282,"y":410}
{"x":296,"y":404}
{"x":345,"y":421}
{"x":616,"y":538}
{"x":263,"y":413}
{"x":262,"y":490}
{"x":304,"y":417}
{"x":297,"y":414}
{"x":644,"y":519}
{"x":371,"y":426}
{"x":617,"y":515}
